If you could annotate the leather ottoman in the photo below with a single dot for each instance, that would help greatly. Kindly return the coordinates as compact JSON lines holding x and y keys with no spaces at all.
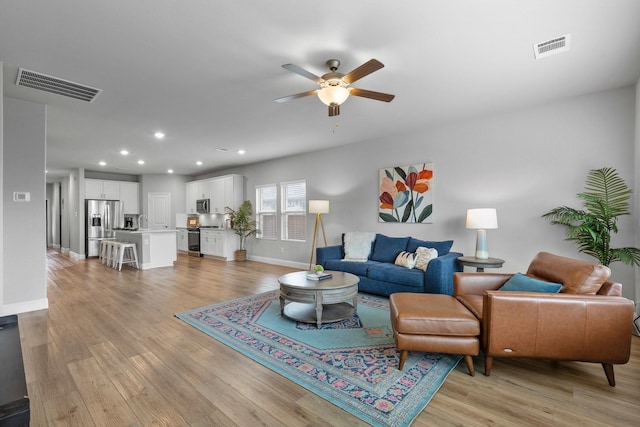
{"x":433,"y":323}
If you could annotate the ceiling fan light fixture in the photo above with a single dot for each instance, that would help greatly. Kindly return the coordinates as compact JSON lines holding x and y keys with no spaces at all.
{"x":333,"y":92}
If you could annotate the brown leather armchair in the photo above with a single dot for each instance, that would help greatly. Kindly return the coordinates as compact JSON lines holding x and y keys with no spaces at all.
{"x":588,"y":321}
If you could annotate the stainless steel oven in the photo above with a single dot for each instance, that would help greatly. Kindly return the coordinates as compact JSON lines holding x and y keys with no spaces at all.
{"x":193,"y":241}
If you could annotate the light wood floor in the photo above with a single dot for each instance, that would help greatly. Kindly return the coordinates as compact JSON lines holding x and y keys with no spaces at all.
{"x":109,"y":352}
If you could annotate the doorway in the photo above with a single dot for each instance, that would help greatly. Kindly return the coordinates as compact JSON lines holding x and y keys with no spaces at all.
{"x":159,"y":211}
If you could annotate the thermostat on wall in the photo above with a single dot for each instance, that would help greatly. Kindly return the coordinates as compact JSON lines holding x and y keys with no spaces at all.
{"x":21,"y":196}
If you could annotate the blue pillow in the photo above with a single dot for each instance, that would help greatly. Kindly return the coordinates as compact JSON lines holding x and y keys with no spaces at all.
{"x":521,"y":283}
{"x":386,"y":249}
{"x":443,"y":248}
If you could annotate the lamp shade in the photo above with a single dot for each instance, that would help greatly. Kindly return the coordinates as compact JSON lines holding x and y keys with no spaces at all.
{"x":319,"y":206}
{"x":482,"y":219}
{"x":333,"y":94}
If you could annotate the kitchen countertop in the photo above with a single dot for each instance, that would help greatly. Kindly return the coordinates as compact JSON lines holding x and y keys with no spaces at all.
{"x":146,"y":231}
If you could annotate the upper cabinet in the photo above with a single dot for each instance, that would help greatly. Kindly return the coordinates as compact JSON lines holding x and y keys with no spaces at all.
{"x":129,"y":195}
{"x":98,"y":189}
{"x":223,"y":191}
{"x":127,"y":192}
{"x":192,"y":196}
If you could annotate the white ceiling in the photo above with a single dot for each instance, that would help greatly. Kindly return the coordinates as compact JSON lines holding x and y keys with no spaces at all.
{"x":207,"y":72}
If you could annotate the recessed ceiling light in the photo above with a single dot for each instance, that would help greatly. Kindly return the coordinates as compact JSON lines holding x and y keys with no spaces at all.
{"x":124,"y":152}
{"x":102,"y":163}
{"x":159,"y":135}
{"x":46,"y":171}
{"x":170,"y":171}
{"x":241,"y":151}
{"x":141,"y":162}
{"x":199,"y":163}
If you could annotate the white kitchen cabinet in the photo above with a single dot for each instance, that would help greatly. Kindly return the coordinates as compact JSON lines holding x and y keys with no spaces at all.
{"x":217,"y":191}
{"x":212,"y":242}
{"x":183,"y":240}
{"x":99,"y":189}
{"x":191,"y":196}
{"x":233,"y":191}
{"x":222,"y":192}
{"x":130,"y":196}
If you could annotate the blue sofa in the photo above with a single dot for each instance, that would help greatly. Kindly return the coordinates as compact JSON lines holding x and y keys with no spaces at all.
{"x":379,"y":275}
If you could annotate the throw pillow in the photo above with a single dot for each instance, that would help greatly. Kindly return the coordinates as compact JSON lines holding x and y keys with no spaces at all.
{"x":357,"y":245}
{"x":406,"y":259}
{"x":386,"y":249}
{"x":443,"y":247}
{"x":521,"y":283}
{"x":423,"y":256}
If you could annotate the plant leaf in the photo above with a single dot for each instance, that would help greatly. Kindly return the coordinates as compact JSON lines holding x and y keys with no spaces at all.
{"x":387,"y":217}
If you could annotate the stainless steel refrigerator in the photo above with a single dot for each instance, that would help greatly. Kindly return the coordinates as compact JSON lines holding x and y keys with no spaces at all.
{"x":102,"y":218}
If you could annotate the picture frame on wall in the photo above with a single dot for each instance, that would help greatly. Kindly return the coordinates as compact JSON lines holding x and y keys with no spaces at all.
{"x":406,"y":194}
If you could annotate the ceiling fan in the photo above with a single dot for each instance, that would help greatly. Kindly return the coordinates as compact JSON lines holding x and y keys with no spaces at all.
{"x":335,"y":87}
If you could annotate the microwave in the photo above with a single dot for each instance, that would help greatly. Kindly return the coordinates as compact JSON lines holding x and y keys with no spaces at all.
{"x":202,"y":206}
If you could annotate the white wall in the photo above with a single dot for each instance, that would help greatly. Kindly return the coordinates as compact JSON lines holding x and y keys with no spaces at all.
{"x":523,"y":163}
{"x":24,"y":231}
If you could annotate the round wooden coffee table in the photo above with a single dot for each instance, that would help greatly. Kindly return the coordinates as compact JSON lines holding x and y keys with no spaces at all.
{"x":318,"y":301}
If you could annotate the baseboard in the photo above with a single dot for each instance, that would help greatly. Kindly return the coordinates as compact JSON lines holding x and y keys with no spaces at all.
{"x":282,"y":262}
{"x":76,"y":255}
{"x":64,"y":250}
{"x":24,"y":307}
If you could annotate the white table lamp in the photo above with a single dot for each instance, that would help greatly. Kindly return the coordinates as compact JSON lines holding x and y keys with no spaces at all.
{"x":318,"y":207}
{"x":482,"y":220}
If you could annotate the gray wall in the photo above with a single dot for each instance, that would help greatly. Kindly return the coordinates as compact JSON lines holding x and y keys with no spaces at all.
{"x":1,"y":186}
{"x":24,"y":232}
{"x":523,"y":163}
{"x":173,"y":184}
{"x":637,"y":194}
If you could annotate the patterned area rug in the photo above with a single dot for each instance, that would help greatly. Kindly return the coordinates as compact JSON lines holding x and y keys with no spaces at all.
{"x":352,"y":363}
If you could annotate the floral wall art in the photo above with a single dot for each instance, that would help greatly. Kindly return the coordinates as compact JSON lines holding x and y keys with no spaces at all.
{"x":406,"y":194}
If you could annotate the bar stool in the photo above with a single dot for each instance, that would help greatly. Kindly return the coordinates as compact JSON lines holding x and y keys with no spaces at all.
{"x":113,"y":253}
{"x":102,"y":257}
{"x":127,"y":254}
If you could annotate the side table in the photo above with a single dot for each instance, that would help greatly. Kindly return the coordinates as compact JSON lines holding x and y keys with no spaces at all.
{"x":480,"y":264}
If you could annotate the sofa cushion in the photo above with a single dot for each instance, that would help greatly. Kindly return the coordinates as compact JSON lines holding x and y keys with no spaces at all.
{"x":406,"y":259}
{"x":392,"y":273}
{"x":386,"y":249}
{"x":521,"y":283}
{"x":357,"y":268}
{"x":473,"y":303}
{"x":443,"y":247}
{"x":357,"y":245}
{"x":577,"y":277}
{"x":423,"y":256}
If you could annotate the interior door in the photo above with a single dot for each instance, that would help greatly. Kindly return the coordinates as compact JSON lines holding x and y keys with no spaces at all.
{"x":159,"y":216}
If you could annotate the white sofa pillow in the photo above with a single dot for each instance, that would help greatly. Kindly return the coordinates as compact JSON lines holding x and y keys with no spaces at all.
{"x":357,"y":245}
{"x":423,"y":256}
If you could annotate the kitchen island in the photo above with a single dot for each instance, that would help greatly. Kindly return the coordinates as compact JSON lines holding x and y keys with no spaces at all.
{"x":156,"y":248}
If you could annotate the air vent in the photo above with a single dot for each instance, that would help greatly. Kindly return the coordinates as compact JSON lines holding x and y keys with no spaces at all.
{"x":551,"y":47}
{"x":40,"y":81}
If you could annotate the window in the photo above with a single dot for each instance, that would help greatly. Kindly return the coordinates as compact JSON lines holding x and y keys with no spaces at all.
{"x":294,"y":210}
{"x":266,"y":211}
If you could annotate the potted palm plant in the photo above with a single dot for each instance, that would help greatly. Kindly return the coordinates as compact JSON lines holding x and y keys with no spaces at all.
{"x":243,"y":224}
{"x":606,"y":198}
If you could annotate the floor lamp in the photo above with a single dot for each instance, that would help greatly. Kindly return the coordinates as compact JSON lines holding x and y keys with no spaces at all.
{"x":317,"y":207}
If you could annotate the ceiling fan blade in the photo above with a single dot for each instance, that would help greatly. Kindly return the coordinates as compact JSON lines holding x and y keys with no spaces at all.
{"x":304,"y":73}
{"x":296,"y":96}
{"x":378,"y":96}
{"x":362,"y":71}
